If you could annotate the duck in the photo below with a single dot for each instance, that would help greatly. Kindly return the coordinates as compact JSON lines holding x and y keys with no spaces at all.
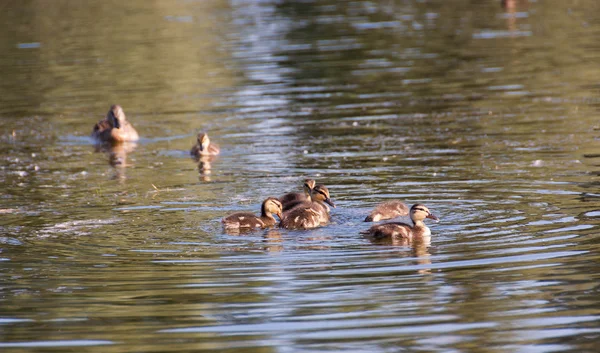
{"x":309,"y":214}
{"x":293,"y":199}
{"x":203,"y":147}
{"x":114,"y":128}
{"x":418,"y":212}
{"x":387,"y":210}
{"x":247,"y":220}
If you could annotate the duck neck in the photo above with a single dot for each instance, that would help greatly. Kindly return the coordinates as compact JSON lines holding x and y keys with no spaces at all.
{"x":419,"y":224}
{"x":264,"y":214}
{"x":323,"y":204}
{"x":267,"y":218}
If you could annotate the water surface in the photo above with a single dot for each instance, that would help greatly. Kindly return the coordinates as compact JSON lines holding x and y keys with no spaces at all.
{"x":487,"y":113}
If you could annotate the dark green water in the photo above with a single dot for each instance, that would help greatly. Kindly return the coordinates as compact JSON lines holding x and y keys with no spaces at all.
{"x":486,"y":113}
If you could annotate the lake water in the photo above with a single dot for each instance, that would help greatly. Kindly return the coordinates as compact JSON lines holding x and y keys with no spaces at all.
{"x":488,"y":113}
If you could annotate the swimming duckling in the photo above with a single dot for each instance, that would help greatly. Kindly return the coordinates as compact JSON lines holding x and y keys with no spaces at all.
{"x":387,"y":210}
{"x":203,"y":147}
{"x":309,"y":214}
{"x":114,"y":128}
{"x":247,"y":220}
{"x":292,"y":199}
{"x":418,"y":213}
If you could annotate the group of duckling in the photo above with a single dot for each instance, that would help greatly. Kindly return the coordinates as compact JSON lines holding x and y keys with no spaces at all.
{"x":311,"y":209}
{"x":305,"y":210}
{"x":295,"y":210}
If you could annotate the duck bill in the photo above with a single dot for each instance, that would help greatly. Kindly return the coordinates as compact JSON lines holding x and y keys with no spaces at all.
{"x":279,"y":215}
{"x":434,"y":217}
{"x":329,"y":202}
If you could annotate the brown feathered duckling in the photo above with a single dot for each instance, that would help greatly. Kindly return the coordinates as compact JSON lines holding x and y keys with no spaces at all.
{"x":203,"y":147}
{"x":387,"y":210}
{"x":418,"y":213}
{"x":309,"y":214}
{"x":247,"y":220}
{"x":292,"y":199}
{"x":114,"y":128}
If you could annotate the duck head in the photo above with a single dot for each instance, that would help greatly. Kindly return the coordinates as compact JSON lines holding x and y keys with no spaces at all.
{"x":203,"y":141}
{"x":309,"y":184}
{"x":418,"y":212}
{"x":116,"y":116}
{"x":272,"y":206}
{"x":320,"y":193}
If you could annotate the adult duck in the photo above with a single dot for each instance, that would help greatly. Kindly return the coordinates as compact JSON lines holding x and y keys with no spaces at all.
{"x":114,"y":128}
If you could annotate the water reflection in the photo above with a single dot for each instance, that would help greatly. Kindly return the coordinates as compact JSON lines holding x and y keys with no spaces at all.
{"x":512,"y":14}
{"x":205,"y":167}
{"x":117,"y":157}
{"x":273,"y":241}
{"x":417,"y":247}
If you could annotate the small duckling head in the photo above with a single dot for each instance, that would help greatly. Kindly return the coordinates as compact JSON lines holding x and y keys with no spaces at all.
{"x":272,"y":206}
{"x":309,"y":184}
{"x":320,"y":193}
{"x":116,"y":116}
{"x":418,"y":212}
{"x":203,"y":141}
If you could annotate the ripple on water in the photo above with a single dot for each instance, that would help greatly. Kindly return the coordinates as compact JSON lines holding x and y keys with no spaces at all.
{"x":56,"y":344}
{"x":480,"y":111}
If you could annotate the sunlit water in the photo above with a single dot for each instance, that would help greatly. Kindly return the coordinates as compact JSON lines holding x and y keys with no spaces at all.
{"x":486,"y":113}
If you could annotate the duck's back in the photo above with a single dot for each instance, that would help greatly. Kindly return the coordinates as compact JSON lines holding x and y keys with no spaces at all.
{"x":390,"y":230}
{"x":387,"y":210}
{"x":104,"y":132}
{"x":212,"y":150}
{"x":292,"y":199}
{"x":244,"y":220}
{"x":305,"y":215}
{"x":127,"y":133}
{"x":301,"y":217}
{"x":195,"y":151}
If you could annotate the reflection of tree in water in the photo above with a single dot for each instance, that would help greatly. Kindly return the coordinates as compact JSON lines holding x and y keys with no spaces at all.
{"x":392,"y":60}
{"x":338,"y":54}
{"x":180,"y":60}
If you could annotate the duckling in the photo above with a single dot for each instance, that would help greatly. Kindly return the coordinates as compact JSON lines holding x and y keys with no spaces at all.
{"x":114,"y":128}
{"x":387,"y":210}
{"x":293,"y":199}
{"x":418,"y":213}
{"x":203,"y":147}
{"x":309,"y":214}
{"x":247,"y":220}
